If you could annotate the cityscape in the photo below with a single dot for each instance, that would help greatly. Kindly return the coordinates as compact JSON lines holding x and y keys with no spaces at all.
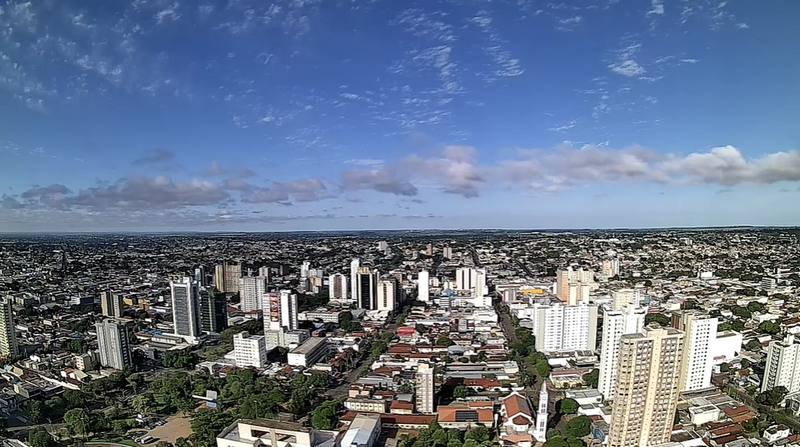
{"x":679,"y":337}
{"x":400,"y":223}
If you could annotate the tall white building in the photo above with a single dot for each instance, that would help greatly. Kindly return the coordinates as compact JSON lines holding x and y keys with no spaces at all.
{"x":424,"y":388}
{"x":698,"y":362}
{"x":468,"y":278}
{"x":624,"y":298}
{"x":560,"y":328}
{"x":251,"y":292}
{"x":423,"y":286}
{"x":355,"y":264}
{"x":186,"y":308}
{"x":615,"y":324}
{"x":540,"y":430}
{"x":114,"y":344}
{"x":8,"y":336}
{"x":110,"y":304}
{"x":337,"y":287}
{"x":783,"y":365}
{"x":610,"y":267}
{"x":387,"y":294}
{"x":304,"y":268}
{"x":289,"y":310}
{"x":249,"y":350}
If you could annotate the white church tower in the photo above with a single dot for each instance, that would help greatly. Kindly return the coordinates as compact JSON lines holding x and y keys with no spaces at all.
{"x":540,"y":432}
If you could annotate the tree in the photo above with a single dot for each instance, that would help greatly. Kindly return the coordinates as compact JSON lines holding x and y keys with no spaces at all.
{"x":567,"y":406}
{"x":33,"y":411}
{"x":592,"y":378}
{"x":77,"y":421}
{"x":742,"y":312}
{"x":772,"y":397}
{"x":39,"y":437}
{"x":324,"y":416}
{"x":753,"y":345}
{"x":769,"y":327}
{"x":460,"y":392}
{"x":755,"y":306}
{"x":578,"y":427}
{"x":661,"y":319}
{"x":143,"y":403}
{"x":479,"y":434}
{"x":542,"y":368}
{"x":444,"y":341}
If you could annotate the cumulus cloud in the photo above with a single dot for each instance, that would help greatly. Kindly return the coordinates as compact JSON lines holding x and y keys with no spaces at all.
{"x":307,"y":190}
{"x":381,"y":180}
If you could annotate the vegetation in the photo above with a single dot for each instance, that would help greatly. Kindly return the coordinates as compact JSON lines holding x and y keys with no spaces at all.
{"x":772,"y":397}
{"x":324,"y":416}
{"x":592,"y":378}
{"x":567,"y":406}
{"x":769,"y":327}
{"x":661,"y":319}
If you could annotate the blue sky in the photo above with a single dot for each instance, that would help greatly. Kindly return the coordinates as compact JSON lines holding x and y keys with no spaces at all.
{"x":304,"y":114}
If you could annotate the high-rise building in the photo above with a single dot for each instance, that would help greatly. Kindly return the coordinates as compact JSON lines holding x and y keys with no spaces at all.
{"x":424,"y":388}
{"x":110,"y":304}
{"x":355,"y":264}
{"x":610,"y":267}
{"x":114,"y":343}
{"x":698,"y":361}
{"x":289,"y":310}
{"x":388,"y":292}
{"x":251,"y":292}
{"x":783,"y":365}
{"x":560,"y":328}
{"x":8,"y":335}
{"x":465,"y":278}
{"x":185,"y":308}
{"x":226,"y":277}
{"x":304,"y":268}
{"x":540,"y":430}
{"x":264,"y":271}
{"x":615,"y":324}
{"x":213,"y":310}
{"x":367,"y":288}
{"x":447,"y":252}
{"x":337,"y":286}
{"x":200,"y":276}
{"x":624,"y":298}
{"x":647,"y":388}
{"x":574,"y":286}
{"x":249,"y":350}
{"x":423,"y":286}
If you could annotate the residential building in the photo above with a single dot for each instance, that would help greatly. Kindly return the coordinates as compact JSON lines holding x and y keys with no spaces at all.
{"x":367,"y":288}
{"x":698,"y":362}
{"x":113,"y":340}
{"x":574,"y":286}
{"x":615,"y":324}
{"x":251,"y":292}
{"x":423,"y":286}
{"x":355,"y":265}
{"x":337,"y":287}
{"x":388,"y":291}
{"x":425,"y":388}
{"x":226,"y":277}
{"x":783,"y":365}
{"x":8,"y":335}
{"x":561,"y":328}
{"x":647,"y":388}
{"x":110,"y":304}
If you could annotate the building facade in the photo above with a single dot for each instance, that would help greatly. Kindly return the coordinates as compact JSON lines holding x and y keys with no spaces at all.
{"x":615,"y":325}
{"x":113,"y":340}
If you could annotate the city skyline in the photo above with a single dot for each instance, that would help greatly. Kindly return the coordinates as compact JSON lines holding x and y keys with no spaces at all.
{"x":307,"y":115}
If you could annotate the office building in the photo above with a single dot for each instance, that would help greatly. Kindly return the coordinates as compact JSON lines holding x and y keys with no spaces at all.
{"x":213,"y":311}
{"x":783,"y":365}
{"x":647,"y":388}
{"x":423,"y":286}
{"x":251,"y":292}
{"x":249,"y":350}
{"x":337,"y":287}
{"x":355,"y":264}
{"x":700,"y":336}
{"x":367,"y":288}
{"x":110,"y":304}
{"x":424,"y":388}
{"x":185,"y":308}
{"x":388,"y":292}
{"x":8,"y":335}
{"x":615,"y":324}
{"x":560,"y":328}
{"x":113,"y":341}
{"x":313,"y":350}
{"x":226,"y":277}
